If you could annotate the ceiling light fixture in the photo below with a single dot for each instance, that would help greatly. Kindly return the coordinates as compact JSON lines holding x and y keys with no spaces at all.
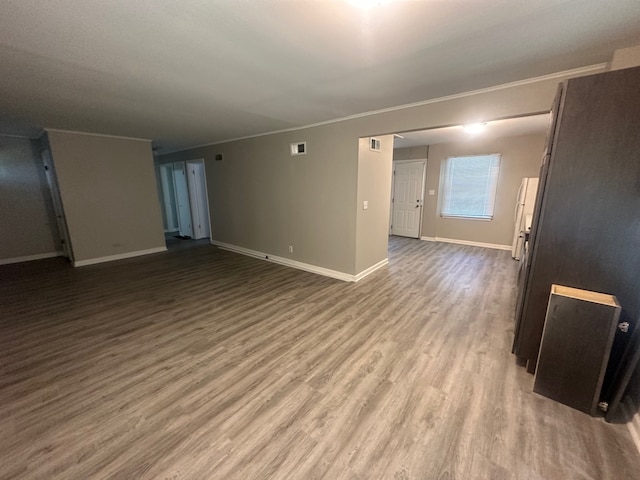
{"x":367,"y":4}
{"x":474,"y":128}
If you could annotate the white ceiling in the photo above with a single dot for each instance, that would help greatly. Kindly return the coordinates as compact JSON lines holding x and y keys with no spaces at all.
{"x":198,"y":71}
{"x":510,"y":127}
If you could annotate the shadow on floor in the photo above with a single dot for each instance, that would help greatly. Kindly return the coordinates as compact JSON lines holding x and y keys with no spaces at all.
{"x":174,"y":242}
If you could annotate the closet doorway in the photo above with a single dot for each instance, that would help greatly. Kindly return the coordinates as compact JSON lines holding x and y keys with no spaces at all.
{"x":184,"y":199}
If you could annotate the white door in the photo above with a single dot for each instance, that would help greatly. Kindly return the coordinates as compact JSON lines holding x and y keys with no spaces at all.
{"x":198,"y":198}
{"x":406,"y":204}
{"x":182,"y":199}
{"x":169,"y":198}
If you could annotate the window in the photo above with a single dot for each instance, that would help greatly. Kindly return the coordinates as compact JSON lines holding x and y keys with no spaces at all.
{"x":469,"y":186}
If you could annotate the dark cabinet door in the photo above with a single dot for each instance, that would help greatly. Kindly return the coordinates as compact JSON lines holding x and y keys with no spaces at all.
{"x":520,"y":341}
{"x":576,"y":343}
{"x":586,"y":231}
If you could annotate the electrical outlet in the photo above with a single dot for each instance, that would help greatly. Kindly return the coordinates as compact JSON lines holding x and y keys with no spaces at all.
{"x":365,"y":204}
{"x":290,"y":248}
{"x":432,"y":192}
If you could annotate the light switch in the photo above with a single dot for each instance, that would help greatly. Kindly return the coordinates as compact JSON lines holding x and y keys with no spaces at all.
{"x":432,"y":192}
{"x":365,"y":204}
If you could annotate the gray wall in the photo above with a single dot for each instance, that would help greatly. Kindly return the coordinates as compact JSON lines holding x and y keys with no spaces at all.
{"x":263,"y":199}
{"x":626,"y":58}
{"x":374,"y":186}
{"x":521,"y":157}
{"x":109,"y":194}
{"x":28,"y":222}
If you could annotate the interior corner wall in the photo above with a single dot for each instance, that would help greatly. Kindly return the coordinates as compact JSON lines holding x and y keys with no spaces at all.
{"x":521,"y":157}
{"x":29,"y":227}
{"x":109,"y":196}
{"x":374,"y":187}
{"x":263,"y":199}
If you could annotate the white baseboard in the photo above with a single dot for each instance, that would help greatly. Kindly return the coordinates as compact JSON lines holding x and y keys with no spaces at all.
{"x":634,"y":424}
{"x":467,"y":242}
{"x":371,"y":269}
{"x":307,"y":267}
{"x":28,"y":258}
{"x":119,"y":256}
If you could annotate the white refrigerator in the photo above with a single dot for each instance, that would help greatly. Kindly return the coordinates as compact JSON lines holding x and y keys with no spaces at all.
{"x":524,"y":208}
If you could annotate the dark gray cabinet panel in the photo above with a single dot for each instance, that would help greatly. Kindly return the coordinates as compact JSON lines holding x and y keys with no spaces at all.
{"x":586,"y":226}
{"x":576,"y":343}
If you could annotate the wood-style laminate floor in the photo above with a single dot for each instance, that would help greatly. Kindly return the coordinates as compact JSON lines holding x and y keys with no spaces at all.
{"x":204,"y":364}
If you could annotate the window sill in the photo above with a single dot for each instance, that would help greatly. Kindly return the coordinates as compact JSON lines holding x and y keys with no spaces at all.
{"x":457,"y":217}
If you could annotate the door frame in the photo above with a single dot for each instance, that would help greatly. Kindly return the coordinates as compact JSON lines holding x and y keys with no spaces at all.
{"x":173,"y":203}
{"x":185,"y":230}
{"x":165,"y":173}
{"x":192,"y":195}
{"x":422,"y":195}
{"x":56,"y":200}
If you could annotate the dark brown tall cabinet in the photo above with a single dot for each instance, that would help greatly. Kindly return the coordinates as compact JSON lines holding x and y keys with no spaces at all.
{"x":586,"y":224}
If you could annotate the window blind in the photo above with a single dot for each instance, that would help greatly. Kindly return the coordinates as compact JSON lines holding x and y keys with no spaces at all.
{"x":469,"y":186}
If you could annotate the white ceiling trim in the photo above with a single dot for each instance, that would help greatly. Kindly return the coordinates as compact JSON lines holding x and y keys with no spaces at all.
{"x":575,"y":72}
{"x":97,"y":134}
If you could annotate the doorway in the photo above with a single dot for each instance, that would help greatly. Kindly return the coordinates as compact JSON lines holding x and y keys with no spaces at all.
{"x":407,"y":198}
{"x":168,"y":197}
{"x":183,"y":204}
{"x":184,"y":200}
{"x":198,"y":200}
{"x":54,"y":189}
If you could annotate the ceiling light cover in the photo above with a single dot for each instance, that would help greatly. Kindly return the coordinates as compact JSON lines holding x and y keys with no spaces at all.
{"x":366,"y":4}
{"x":475,"y":127}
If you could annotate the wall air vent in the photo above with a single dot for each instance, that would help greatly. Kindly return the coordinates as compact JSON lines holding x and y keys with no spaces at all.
{"x":299,"y":148}
{"x":218,"y":157}
{"x":374,"y":144}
